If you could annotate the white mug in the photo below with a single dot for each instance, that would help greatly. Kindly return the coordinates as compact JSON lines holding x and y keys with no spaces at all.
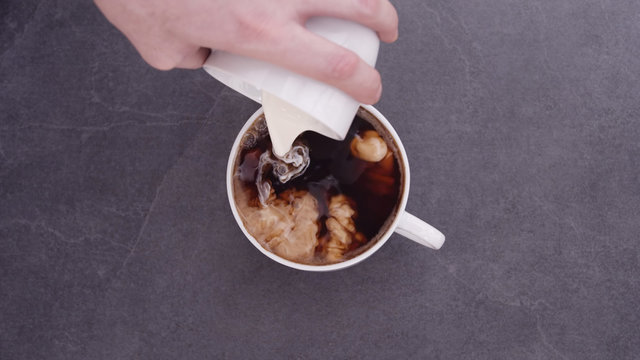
{"x":403,"y":223}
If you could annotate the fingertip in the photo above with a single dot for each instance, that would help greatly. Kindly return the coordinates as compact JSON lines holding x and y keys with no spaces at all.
{"x":393,"y":22}
{"x":394,"y":37}
{"x":378,"y":94}
{"x":378,"y":88}
{"x":375,"y":97}
{"x":388,"y":38}
{"x":370,"y":94}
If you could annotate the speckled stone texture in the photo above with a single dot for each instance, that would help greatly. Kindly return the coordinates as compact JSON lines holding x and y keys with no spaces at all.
{"x":522,"y":124}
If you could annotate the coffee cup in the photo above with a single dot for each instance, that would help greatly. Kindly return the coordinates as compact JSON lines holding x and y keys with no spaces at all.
{"x":401,"y":221}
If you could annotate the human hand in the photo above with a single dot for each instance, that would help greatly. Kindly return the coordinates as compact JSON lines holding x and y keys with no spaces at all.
{"x":179,"y":34}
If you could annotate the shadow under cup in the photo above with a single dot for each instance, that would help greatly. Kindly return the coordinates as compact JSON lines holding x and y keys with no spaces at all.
{"x":378,"y":229}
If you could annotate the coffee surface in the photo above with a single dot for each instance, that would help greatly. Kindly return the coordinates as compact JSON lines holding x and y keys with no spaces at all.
{"x":330,"y":212}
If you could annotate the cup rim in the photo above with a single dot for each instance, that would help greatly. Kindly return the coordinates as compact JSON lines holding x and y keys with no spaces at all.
{"x":328,"y":267}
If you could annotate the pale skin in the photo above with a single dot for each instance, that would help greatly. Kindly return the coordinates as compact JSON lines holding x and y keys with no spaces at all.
{"x":180,"y":33}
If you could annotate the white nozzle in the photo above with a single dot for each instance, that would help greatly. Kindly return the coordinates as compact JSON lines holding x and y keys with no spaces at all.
{"x":286,"y":122}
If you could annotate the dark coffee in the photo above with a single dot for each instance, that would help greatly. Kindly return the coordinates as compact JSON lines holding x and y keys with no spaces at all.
{"x":336,"y":208}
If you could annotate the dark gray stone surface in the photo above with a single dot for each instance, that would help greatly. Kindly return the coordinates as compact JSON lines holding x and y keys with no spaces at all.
{"x":522,"y":124}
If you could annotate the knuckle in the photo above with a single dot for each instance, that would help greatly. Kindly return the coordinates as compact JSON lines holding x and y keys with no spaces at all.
{"x":368,"y":7}
{"x":158,"y":57}
{"x":167,"y":56}
{"x":160,"y":62}
{"x":343,"y":65}
{"x":255,"y":26}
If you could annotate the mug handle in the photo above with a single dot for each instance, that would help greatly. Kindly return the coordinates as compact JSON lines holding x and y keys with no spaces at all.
{"x":419,"y":231}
